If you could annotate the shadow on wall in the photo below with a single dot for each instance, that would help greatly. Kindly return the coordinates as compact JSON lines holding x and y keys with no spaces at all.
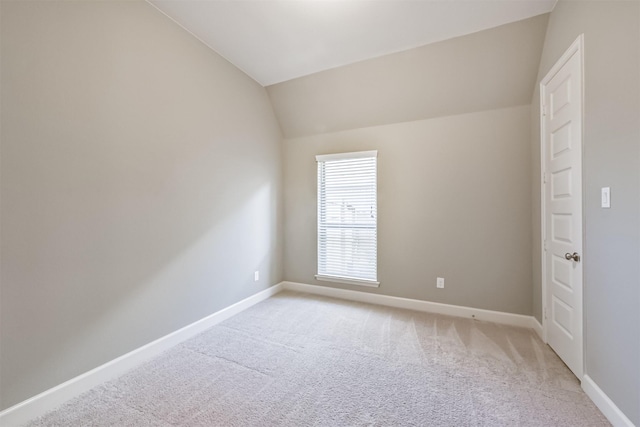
{"x":214,"y":271}
{"x":111,"y":281}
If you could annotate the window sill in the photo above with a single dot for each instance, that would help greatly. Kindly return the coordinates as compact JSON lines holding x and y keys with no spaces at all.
{"x":358,"y":282}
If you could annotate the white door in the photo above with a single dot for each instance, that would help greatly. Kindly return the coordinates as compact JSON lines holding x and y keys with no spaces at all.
{"x":561,"y":126}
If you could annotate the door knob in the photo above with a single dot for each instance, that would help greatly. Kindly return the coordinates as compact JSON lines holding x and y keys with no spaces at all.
{"x":574,"y":256}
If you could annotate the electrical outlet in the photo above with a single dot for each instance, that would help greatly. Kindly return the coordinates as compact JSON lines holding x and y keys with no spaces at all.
{"x":440,"y":282}
{"x":256,"y":276}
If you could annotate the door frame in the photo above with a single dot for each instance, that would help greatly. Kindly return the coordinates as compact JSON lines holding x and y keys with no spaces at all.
{"x":577,"y":47}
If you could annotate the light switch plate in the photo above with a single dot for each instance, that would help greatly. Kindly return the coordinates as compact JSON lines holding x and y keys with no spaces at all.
{"x":605,"y":195}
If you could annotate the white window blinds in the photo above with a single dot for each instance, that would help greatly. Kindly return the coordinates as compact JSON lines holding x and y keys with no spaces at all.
{"x":347,"y":217}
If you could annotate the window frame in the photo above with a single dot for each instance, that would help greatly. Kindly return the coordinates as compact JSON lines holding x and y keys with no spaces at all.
{"x":324,"y":158}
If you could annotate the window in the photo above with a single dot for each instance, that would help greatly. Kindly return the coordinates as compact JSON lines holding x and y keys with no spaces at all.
{"x":347,"y":218}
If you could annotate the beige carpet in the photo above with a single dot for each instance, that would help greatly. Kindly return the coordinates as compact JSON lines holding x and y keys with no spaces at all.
{"x":301,"y":360}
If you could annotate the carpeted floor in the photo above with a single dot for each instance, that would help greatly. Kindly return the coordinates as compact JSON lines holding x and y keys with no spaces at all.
{"x":301,"y":360}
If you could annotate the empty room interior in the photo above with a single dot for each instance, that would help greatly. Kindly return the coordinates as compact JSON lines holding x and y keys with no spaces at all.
{"x":320,"y":212}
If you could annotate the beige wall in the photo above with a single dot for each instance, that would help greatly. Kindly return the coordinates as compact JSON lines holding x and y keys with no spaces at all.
{"x":486,"y":70}
{"x":140,"y":185}
{"x":454,"y":201}
{"x":611,"y":159}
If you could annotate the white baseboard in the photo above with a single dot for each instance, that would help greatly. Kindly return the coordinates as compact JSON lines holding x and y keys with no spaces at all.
{"x":54,"y":397}
{"x":537,"y":327}
{"x":615,"y":416}
{"x":417,"y":305}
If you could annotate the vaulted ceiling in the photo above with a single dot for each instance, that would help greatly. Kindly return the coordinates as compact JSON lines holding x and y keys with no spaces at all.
{"x":487,"y":70}
{"x":278,"y":40}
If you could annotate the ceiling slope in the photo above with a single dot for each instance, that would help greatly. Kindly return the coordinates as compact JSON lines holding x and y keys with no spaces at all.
{"x":278,"y":40}
{"x":490,"y":69}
